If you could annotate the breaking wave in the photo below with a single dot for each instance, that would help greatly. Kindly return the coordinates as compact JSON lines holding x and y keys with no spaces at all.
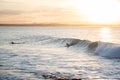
{"x":104,"y":49}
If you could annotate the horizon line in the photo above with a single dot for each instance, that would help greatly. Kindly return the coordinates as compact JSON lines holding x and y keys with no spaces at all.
{"x":55,"y":24}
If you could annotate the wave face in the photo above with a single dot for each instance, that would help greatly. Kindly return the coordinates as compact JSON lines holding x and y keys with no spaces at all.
{"x":108,"y":50}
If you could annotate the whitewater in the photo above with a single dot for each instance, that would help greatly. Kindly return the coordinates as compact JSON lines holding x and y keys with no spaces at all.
{"x":40,"y":53}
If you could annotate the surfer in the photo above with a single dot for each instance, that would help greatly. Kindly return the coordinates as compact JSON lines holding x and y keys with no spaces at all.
{"x":12,"y":42}
{"x":15,"y":43}
{"x":67,"y":45}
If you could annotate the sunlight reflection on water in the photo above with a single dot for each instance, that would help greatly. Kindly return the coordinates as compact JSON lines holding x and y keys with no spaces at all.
{"x":105,"y":34}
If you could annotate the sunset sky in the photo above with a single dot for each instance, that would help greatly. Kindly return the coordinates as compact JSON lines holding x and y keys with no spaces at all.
{"x":60,"y":11}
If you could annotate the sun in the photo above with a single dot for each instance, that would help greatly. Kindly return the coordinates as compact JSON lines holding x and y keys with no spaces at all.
{"x":100,"y":11}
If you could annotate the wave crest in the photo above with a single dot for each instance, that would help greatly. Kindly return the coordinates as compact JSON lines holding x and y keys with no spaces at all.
{"x":108,"y":50}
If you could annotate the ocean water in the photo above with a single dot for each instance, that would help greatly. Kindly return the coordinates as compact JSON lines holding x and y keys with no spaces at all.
{"x":40,"y":53}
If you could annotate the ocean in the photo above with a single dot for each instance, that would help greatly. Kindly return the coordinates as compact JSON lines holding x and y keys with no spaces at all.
{"x":40,"y":53}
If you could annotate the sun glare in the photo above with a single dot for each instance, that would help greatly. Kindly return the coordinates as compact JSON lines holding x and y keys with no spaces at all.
{"x":105,"y":34}
{"x":101,"y":11}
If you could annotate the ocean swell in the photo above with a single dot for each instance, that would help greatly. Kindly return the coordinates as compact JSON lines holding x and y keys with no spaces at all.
{"x":104,"y":49}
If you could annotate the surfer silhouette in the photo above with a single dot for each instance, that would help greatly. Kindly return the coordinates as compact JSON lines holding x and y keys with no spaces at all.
{"x":16,"y":42}
{"x":67,"y":45}
{"x":12,"y":42}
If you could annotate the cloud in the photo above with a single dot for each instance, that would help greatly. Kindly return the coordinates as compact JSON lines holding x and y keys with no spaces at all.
{"x":9,"y":12}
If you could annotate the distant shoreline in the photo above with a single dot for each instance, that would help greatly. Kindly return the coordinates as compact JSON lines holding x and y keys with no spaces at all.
{"x":49,"y":24}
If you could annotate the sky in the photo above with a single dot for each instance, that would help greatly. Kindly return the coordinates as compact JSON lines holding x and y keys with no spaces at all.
{"x":60,"y":11}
